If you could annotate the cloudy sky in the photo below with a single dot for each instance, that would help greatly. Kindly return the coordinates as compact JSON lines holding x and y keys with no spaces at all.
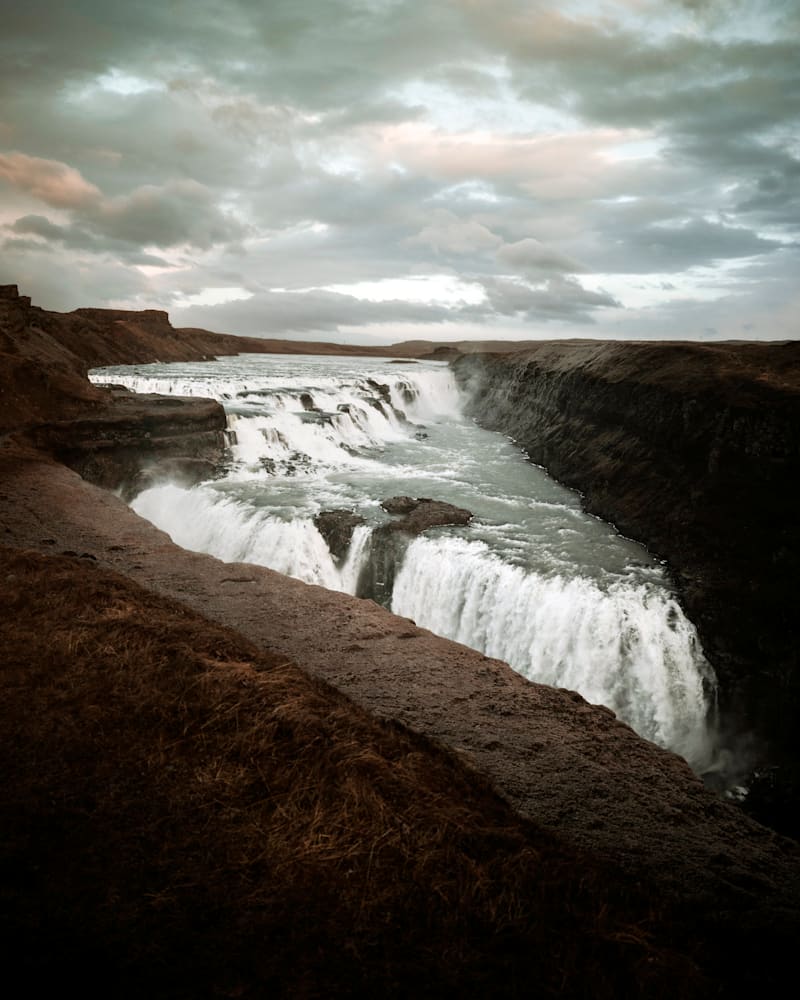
{"x":372,"y":170}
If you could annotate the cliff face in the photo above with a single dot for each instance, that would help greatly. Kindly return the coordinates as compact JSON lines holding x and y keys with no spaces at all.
{"x":135,"y":440}
{"x":112,"y":437}
{"x":693,"y":450}
{"x":41,"y":378}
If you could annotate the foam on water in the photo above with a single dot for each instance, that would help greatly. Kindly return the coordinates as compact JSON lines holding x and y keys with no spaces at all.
{"x":628,"y":646}
{"x":203,"y":520}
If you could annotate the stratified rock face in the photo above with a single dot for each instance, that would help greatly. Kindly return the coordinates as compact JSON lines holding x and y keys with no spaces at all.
{"x":112,"y":437}
{"x":136,"y":440}
{"x":694,"y":450}
{"x":40,"y":377}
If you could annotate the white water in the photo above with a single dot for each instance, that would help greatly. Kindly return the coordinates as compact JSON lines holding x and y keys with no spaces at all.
{"x":203,"y":521}
{"x":533,"y":580}
{"x":628,"y":647}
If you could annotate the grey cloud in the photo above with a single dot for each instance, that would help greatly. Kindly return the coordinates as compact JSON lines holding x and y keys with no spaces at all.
{"x":181,"y":211}
{"x":279,"y":313}
{"x":76,"y":279}
{"x":266,"y":139}
{"x":529,"y":256}
{"x":558,"y":298}
{"x":674,"y":248}
{"x":23,"y":247}
{"x":446,"y":232}
{"x":38,"y":225}
{"x":75,"y":237}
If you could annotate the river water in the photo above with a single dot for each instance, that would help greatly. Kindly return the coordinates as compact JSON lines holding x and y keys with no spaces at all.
{"x":532,"y":580}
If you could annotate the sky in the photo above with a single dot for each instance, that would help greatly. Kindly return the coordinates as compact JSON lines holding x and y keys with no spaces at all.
{"x":380,"y":170}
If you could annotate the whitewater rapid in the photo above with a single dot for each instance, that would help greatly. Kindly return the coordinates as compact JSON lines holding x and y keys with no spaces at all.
{"x":533,"y":580}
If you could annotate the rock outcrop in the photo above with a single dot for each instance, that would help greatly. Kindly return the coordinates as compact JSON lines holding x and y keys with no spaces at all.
{"x":133,"y":441}
{"x":694,"y":450}
{"x":337,"y":527}
{"x":389,"y":541}
{"x":418,"y":514}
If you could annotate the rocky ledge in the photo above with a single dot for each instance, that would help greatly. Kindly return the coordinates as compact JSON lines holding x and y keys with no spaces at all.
{"x":132,"y":441}
{"x":418,"y":514}
{"x":694,"y":450}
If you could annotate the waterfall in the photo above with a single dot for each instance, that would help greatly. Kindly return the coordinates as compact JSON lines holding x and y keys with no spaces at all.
{"x":204,"y":520}
{"x":627,"y":646}
{"x":533,"y":581}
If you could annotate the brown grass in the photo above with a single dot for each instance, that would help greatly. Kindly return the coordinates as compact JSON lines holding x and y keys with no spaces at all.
{"x":184,"y":816}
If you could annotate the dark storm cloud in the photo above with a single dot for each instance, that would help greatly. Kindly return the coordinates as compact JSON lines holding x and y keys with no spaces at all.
{"x":674,"y":248}
{"x":77,"y":238}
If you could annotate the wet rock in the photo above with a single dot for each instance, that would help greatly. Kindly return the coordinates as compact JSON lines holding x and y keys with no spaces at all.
{"x":337,"y":527}
{"x":388,"y":542}
{"x":307,"y":402}
{"x":386,"y":550}
{"x":316,"y":416}
{"x":408,"y":392}
{"x":382,"y":390}
{"x":399,"y":505}
{"x":420,"y":513}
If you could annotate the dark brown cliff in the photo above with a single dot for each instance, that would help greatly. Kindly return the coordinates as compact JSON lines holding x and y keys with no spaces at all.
{"x":110,"y":436}
{"x":693,"y":449}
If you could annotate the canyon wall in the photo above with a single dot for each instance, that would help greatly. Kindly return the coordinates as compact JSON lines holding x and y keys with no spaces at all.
{"x":718,"y":882}
{"x":111,"y":436}
{"x":694,"y":450}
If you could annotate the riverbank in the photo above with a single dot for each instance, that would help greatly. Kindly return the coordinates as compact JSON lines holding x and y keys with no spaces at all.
{"x":187,"y":816}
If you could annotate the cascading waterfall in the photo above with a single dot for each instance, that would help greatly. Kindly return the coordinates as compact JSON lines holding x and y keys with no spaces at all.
{"x":533,"y":581}
{"x":628,"y":647}
{"x":202,"y":520}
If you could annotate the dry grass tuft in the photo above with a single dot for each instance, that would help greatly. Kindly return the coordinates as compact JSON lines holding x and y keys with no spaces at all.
{"x":185,"y":816}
